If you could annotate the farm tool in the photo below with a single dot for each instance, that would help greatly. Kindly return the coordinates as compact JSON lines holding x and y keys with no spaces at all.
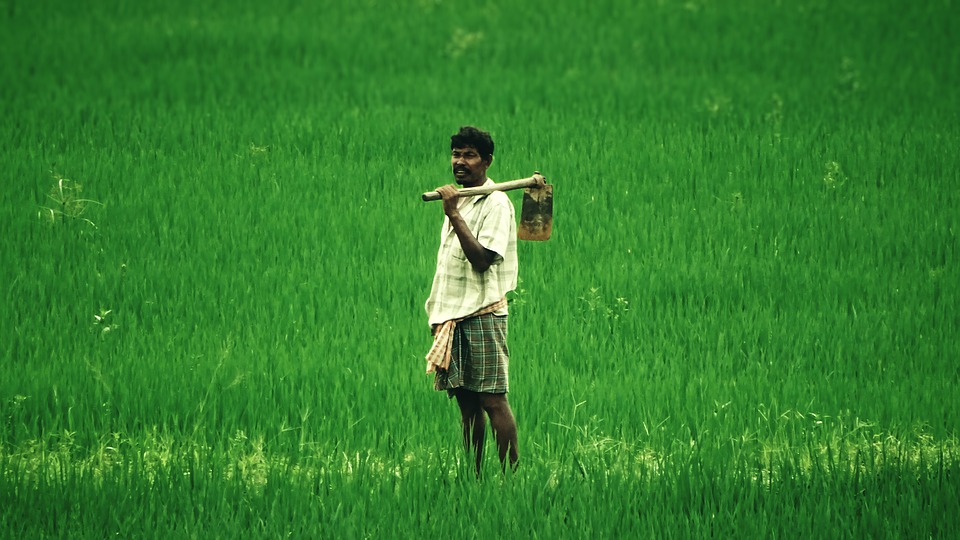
{"x":536,"y":213}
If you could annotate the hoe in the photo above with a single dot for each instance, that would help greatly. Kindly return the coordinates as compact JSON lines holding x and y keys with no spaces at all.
{"x":536,"y":215}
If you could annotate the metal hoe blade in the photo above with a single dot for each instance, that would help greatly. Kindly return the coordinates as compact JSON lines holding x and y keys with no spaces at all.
{"x":536,"y":214}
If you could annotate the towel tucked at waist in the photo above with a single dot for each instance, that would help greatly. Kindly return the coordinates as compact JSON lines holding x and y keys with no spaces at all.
{"x":439,"y":355}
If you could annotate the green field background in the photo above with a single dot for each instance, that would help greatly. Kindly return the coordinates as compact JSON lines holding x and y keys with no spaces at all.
{"x":215,"y":260}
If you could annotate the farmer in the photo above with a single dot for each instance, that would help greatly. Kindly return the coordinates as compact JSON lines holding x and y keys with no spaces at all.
{"x":467,"y":307}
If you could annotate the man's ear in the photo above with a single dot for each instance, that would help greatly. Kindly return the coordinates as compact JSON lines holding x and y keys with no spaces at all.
{"x":487,"y":161}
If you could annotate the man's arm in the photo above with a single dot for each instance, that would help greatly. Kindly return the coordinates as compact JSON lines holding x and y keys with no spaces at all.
{"x":480,"y":257}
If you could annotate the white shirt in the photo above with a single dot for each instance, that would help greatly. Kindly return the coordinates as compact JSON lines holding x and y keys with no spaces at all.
{"x":459,"y":290}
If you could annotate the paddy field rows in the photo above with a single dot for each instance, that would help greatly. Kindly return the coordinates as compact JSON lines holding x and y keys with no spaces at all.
{"x":215,"y":262}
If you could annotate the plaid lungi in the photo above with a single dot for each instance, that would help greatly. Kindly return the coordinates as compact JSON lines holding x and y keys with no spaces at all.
{"x":479,"y":358}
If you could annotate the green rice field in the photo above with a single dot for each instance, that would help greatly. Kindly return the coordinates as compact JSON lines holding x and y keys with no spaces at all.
{"x":215,"y":259}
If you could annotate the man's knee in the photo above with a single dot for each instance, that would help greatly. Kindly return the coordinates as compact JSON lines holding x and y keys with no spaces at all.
{"x":495,"y":404}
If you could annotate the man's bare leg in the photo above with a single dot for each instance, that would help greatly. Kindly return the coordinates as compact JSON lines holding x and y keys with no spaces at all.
{"x":504,"y":427}
{"x":474,"y":423}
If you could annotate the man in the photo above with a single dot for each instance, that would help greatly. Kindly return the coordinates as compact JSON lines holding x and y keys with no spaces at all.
{"x":467,"y":307}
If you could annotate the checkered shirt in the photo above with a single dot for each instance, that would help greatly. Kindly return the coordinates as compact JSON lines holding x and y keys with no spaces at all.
{"x":458,"y":290}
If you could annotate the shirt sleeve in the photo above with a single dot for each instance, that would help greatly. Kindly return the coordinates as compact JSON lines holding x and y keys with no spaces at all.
{"x":495,"y":227}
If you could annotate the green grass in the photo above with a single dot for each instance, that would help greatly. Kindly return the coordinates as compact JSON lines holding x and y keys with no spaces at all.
{"x":215,"y":261}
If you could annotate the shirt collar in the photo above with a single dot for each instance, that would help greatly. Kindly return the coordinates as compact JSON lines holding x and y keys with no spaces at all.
{"x":469,"y":204}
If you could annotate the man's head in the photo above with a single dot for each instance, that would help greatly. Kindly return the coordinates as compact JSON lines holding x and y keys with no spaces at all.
{"x":471,"y":153}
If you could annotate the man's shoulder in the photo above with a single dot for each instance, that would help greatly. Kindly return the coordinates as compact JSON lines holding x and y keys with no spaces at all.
{"x":498,"y":203}
{"x":497,"y":198}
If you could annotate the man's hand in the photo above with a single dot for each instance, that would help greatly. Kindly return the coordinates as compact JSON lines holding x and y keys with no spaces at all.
{"x":450,"y":201}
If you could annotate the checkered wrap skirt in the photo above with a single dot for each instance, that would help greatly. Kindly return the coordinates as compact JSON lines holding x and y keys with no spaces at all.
{"x":479,"y":358}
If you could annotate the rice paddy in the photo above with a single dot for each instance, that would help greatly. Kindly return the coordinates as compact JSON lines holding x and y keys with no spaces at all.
{"x":215,"y":259}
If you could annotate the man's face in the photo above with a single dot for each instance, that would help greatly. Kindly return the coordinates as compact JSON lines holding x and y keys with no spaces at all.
{"x":469,"y":168}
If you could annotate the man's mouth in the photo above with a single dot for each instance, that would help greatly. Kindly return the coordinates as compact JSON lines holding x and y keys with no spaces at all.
{"x":460,"y":172}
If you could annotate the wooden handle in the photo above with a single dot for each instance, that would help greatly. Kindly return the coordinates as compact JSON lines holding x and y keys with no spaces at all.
{"x":533,"y":181}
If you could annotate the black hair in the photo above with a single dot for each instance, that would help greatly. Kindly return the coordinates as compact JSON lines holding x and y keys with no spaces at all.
{"x":477,"y":138}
